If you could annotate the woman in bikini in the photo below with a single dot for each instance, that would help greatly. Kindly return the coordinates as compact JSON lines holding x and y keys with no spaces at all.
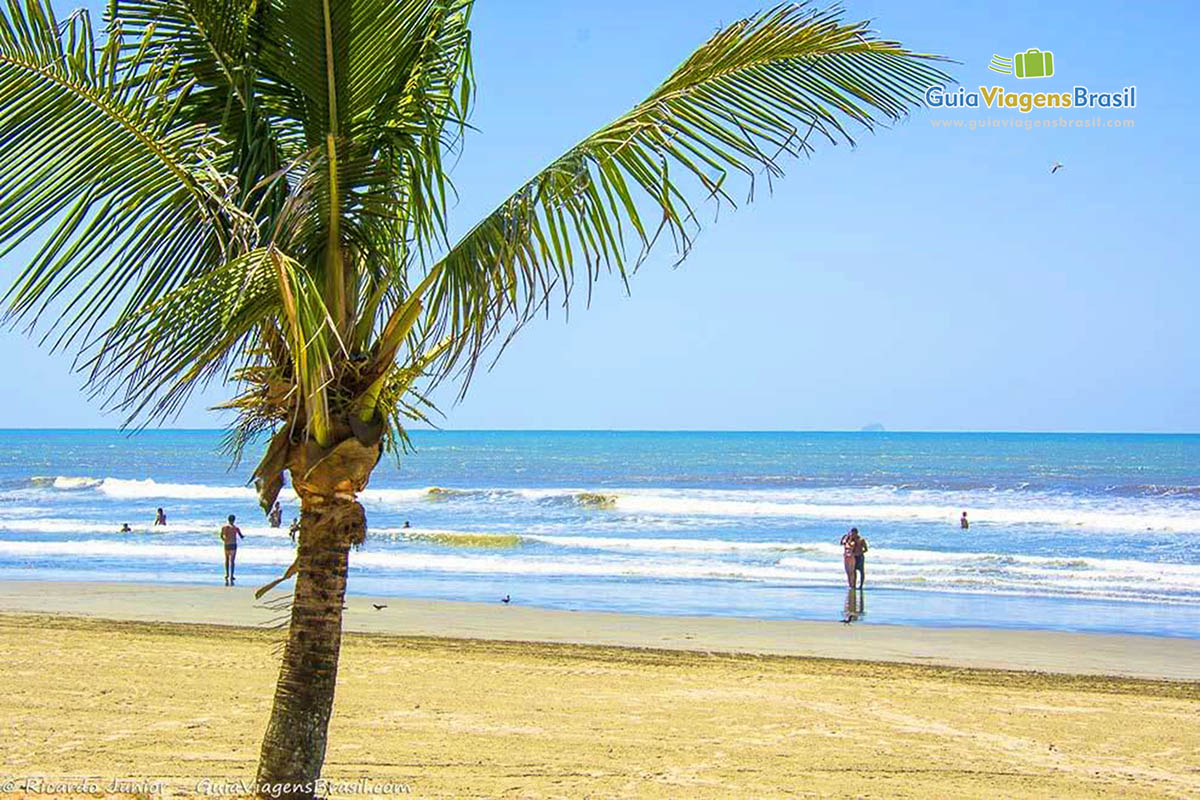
{"x":850,"y":552}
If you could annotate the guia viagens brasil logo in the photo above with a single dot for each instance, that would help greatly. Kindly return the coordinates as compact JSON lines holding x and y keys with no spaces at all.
{"x":1032,"y":63}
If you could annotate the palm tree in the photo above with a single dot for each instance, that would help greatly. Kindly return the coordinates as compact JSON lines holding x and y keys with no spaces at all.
{"x":255,"y":191}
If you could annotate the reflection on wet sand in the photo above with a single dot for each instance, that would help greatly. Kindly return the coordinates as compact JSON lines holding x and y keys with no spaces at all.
{"x":856,"y":606}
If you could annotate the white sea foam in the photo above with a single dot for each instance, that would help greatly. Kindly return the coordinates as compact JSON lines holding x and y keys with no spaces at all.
{"x":1115,"y":517}
{"x":671,"y":545}
{"x":986,"y":573}
{"x":66,"y":483}
{"x":56,"y":526}
{"x":878,"y":504}
{"x":888,"y":561}
{"x":840,"y":505}
{"x":393,"y":496}
{"x":149,"y":488}
{"x":122,"y":489}
{"x":162,"y":553}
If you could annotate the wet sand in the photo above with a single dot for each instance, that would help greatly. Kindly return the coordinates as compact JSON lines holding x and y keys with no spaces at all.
{"x":989,"y":648}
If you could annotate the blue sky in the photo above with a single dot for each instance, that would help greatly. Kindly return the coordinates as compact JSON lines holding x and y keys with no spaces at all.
{"x":929,"y":279}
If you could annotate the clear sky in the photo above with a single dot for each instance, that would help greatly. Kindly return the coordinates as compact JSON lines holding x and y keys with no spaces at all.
{"x":928,"y":279}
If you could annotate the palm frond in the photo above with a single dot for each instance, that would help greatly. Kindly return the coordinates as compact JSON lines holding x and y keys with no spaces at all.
{"x":155,"y":358}
{"x":313,"y":340}
{"x":769,"y":86}
{"x":210,"y":38}
{"x":128,"y":201}
{"x":215,"y":46}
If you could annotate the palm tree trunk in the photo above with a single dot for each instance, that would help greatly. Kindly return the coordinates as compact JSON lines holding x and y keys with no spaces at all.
{"x":293,"y":748}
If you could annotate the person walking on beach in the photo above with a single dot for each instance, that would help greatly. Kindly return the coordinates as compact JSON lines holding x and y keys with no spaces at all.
{"x":160,"y":517}
{"x":851,"y":549}
{"x":276,"y":515}
{"x":229,"y":535}
{"x":962,"y":523}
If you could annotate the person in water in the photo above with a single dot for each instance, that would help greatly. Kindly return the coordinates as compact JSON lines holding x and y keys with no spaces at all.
{"x":125,"y":528}
{"x":860,"y":561}
{"x":230,"y":533}
{"x":851,"y":550}
{"x":160,"y":517}
{"x":276,"y":515}
{"x":962,"y":523}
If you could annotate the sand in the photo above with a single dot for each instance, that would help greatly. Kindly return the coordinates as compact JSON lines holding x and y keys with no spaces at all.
{"x":185,"y":703}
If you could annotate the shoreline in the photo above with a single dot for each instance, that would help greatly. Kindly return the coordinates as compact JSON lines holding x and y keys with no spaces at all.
{"x":1062,"y":653}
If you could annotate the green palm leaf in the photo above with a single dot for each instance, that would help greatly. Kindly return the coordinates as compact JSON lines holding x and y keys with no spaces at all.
{"x":768,"y":86}
{"x":161,"y":353}
{"x":127,"y":203}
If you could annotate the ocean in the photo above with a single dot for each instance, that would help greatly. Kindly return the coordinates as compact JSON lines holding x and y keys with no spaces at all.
{"x":1079,"y":532}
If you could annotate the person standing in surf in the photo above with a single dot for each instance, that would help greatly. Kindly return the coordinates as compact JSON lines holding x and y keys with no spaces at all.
{"x":230,"y":533}
{"x":160,"y":517}
{"x":851,"y":550}
{"x":860,"y":561}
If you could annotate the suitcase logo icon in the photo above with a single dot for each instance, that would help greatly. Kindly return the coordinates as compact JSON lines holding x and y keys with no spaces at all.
{"x":1033,"y":63}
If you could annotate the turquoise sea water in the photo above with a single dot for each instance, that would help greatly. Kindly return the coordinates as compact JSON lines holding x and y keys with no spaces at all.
{"x":1072,"y":532}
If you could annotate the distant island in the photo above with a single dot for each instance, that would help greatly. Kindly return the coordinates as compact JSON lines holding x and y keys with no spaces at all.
{"x":874,"y":427}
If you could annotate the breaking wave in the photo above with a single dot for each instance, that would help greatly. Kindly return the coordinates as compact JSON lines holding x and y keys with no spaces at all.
{"x":975,"y":573}
{"x":1176,"y":512}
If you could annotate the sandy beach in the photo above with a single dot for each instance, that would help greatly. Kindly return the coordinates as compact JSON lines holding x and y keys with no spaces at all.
{"x":1151,"y":657}
{"x":181,"y":703}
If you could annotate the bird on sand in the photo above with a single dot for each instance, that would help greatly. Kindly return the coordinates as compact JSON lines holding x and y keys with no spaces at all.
{"x":1056,"y":167}
{"x":506,"y":599}
{"x":379,"y":607}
